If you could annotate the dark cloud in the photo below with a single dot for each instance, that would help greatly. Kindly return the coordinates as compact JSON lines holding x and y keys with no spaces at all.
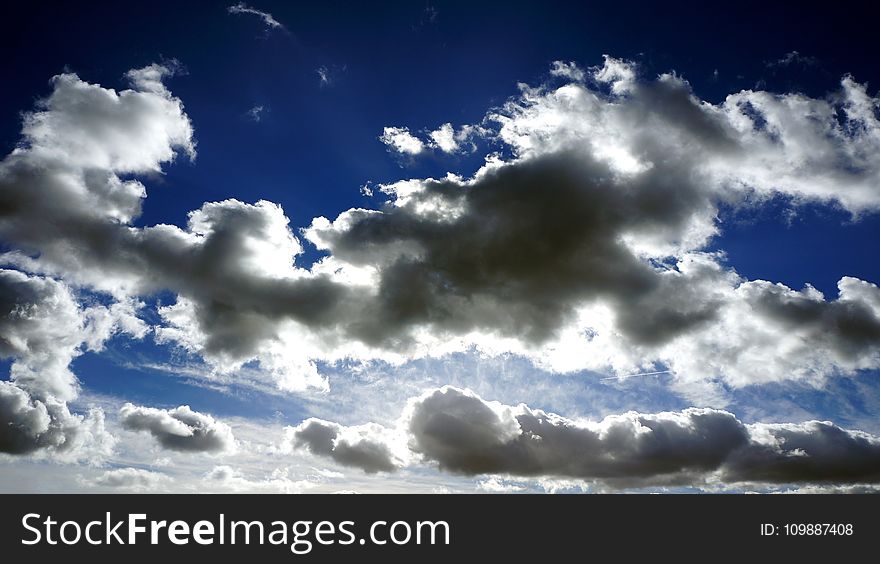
{"x":180,"y":429}
{"x":850,"y":327}
{"x":464,"y":434}
{"x":810,"y":452}
{"x":605,"y":205}
{"x":467,"y":435}
{"x":30,"y":425}
{"x":42,"y":329}
{"x":361,"y":447}
{"x":520,"y":249}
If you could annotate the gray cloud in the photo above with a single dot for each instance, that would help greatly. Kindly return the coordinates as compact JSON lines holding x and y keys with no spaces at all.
{"x":580,"y":251}
{"x":464,"y":434}
{"x":180,"y":429}
{"x":361,"y":447}
{"x":42,"y":329}
{"x":515,"y":251}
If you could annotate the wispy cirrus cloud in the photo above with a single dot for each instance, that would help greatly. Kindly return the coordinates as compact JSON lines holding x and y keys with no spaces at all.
{"x":268,"y":20}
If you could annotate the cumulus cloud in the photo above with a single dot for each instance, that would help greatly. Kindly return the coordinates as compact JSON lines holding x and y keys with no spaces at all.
{"x":617,"y":73}
{"x":368,"y":447}
{"x":464,"y":434}
{"x":180,"y":429}
{"x":448,"y":140}
{"x":268,"y":20}
{"x":133,"y":479}
{"x":29,"y":425}
{"x":581,"y":249}
{"x":401,"y":140}
{"x":444,"y":138}
{"x":42,"y":329}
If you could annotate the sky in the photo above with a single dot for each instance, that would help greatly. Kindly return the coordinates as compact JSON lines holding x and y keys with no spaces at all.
{"x":439,"y":247}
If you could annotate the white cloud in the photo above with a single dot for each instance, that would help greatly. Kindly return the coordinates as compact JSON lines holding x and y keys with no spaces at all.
{"x":495,"y":485}
{"x":401,"y":140}
{"x":256,"y":113}
{"x":569,"y":70}
{"x":230,"y":479}
{"x":268,"y":20}
{"x":323,"y":75}
{"x":620,"y":74}
{"x":448,"y":140}
{"x":444,"y":138}
{"x":131,"y":479}
{"x":180,"y":429}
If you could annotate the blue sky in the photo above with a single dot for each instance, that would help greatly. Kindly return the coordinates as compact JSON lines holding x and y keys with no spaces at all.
{"x":290,"y":103}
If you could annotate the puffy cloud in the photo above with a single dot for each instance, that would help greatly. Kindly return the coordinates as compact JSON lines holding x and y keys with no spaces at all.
{"x":269,"y":21}
{"x":134,"y":479}
{"x":448,"y":140}
{"x":401,"y":140}
{"x":180,"y":429}
{"x":464,"y":434}
{"x":368,"y":447}
{"x":812,"y":149}
{"x":444,"y":138}
{"x":32,"y":425}
{"x":768,"y":332}
{"x":62,"y":194}
{"x":42,"y":329}
{"x":811,"y":452}
{"x":581,"y":250}
{"x":62,"y":199}
{"x":569,"y":70}
{"x":620,"y":74}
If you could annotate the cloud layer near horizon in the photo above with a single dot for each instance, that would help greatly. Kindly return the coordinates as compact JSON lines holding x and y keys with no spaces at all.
{"x":461,"y":433}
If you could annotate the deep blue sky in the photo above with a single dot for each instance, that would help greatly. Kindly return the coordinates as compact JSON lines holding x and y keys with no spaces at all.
{"x":391,"y":65}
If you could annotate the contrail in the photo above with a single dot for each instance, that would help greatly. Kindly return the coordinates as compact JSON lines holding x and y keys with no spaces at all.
{"x":633,"y":375}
